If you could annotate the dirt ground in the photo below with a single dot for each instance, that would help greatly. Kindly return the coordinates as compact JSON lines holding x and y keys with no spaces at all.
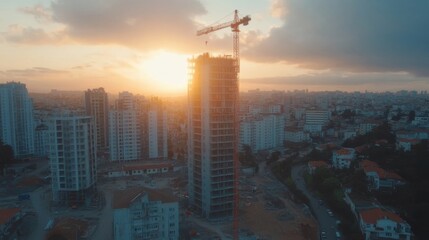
{"x":269,"y":214}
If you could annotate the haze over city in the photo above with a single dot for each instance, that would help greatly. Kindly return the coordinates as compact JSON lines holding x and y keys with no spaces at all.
{"x":199,"y":119}
{"x":144,"y":45}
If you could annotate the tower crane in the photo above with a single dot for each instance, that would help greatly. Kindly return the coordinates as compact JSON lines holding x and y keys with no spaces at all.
{"x":234,"y":24}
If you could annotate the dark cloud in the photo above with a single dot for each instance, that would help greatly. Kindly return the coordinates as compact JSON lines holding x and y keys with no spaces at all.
{"x":148,"y":24}
{"x":359,"y":36}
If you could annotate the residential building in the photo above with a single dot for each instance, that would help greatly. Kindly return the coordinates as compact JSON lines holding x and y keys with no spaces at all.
{"x":296,"y":135}
{"x":125,"y":130}
{"x":145,"y":214}
{"x":315,"y":120}
{"x":368,"y":125}
{"x":261,"y":132}
{"x":16,"y":119}
{"x":379,"y":178}
{"x":72,"y":155}
{"x":156,"y":130}
{"x":213,"y":130}
{"x":343,"y":158}
{"x":41,"y":141}
{"x":97,"y":106}
{"x":377,"y":223}
{"x":140,"y":169}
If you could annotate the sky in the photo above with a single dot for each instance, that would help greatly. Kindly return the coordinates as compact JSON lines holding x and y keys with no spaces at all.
{"x":142,"y":46}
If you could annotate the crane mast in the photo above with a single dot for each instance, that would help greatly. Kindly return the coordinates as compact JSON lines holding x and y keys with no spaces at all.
{"x":234,"y":24}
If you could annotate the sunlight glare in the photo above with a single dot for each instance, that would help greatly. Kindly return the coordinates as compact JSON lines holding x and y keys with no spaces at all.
{"x":167,"y":71}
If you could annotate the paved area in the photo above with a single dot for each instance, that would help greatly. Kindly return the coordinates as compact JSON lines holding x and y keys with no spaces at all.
{"x":326,"y":222}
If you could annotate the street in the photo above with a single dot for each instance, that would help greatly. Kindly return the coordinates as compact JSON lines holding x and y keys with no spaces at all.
{"x":326,"y":222}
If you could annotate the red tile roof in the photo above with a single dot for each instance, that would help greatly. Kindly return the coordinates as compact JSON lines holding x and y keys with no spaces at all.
{"x":408,"y":140}
{"x":343,"y":151}
{"x":368,"y":163}
{"x":371,"y":216}
{"x":7,"y":213}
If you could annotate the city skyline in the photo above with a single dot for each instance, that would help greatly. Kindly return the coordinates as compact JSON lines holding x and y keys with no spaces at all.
{"x":323,"y":45}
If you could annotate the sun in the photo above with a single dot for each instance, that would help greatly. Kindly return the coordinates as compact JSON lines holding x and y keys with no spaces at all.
{"x":166,"y":71}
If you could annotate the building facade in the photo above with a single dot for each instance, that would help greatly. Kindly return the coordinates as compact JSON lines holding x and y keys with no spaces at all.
{"x":139,"y":214}
{"x":156,"y":130}
{"x":125,"y":130}
{"x":261,"y":132}
{"x":72,"y":155}
{"x":16,"y":119}
{"x":212,"y":135}
{"x":97,"y":106}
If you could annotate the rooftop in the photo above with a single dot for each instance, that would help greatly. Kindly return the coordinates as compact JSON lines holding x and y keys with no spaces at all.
{"x":124,"y":198}
{"x":7,"y":213}
{"x":371,"y":216}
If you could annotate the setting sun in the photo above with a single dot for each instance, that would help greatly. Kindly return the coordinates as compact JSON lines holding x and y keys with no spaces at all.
{"x":167,"y":71}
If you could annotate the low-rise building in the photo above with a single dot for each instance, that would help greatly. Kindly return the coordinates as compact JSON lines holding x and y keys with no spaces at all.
{"x":140,"y":169}
{"x":145,"y":214}
{"x":343,"y":158}
{"x":381,"y":224}
{"x":379,"y":178}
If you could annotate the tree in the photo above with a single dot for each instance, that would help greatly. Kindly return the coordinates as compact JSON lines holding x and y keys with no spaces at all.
{"x":411,"y":116}
{"x":6,"y":155}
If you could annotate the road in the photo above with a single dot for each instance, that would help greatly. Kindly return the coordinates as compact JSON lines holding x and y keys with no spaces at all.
{"x":40,"y":203}
{"x":104,"y":230}
{"x":326,"y":222}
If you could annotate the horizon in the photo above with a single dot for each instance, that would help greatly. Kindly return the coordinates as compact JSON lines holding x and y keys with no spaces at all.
{"x":287,"y":45}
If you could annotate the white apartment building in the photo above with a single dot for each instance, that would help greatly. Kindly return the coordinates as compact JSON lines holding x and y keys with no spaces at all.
{"x":125,"y":129}
{"x":16,"y":119}
{"x":377,"y":223}
{"x":296,"y":135}
{"x":315,"y":120}
{"x":145,"y":214}
{"x":343,"y":158}
{"x":157,"y":130}
{"x":263,"y":131}
{"x":72,"y":155}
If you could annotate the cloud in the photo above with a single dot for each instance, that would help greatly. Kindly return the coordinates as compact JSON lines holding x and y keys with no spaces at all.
{"x":146,"y":25}
{"x":358,"y":36}
{"x":29,"y":35}
{"x":38,"y":11}
{"x":331,"y":80}
{"x":278,"y":8}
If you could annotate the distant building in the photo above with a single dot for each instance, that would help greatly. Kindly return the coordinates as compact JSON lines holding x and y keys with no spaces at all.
{"x":125,"y":129}
{"x":16,"y":119}
{"x":368,"y":125}
{"x":140,"y":169}
{"x":97,"y":106}
{"x":41,"y":141}
{"x":379,"y":178}
{"x":145,"y":214}
{"x":156,"y":130}
{"x":213,"y":130}
{"x":296,"y":135}
{"x":343,"y":158}
{"x":315,"y":120}
{"x":381,"y":224}
{"x":72,"y":156}
{"x":261,"y":132}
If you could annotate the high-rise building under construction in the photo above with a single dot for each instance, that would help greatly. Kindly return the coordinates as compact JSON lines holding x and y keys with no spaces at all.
{"x":212,"y":135}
